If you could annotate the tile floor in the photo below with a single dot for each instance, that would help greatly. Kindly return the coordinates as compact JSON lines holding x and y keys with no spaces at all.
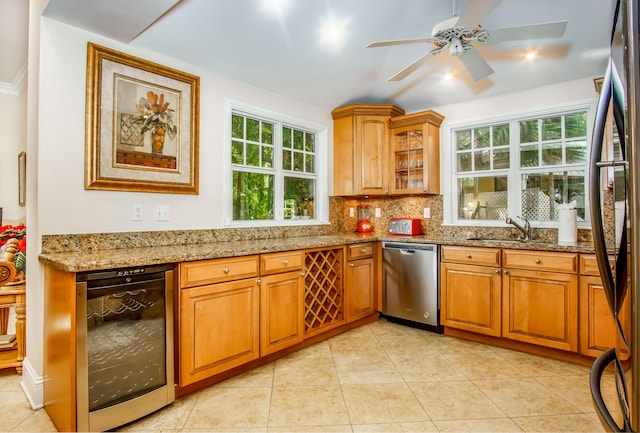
{"x":382,"y":377}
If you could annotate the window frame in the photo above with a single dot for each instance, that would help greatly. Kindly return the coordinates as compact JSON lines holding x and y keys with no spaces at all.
{"x":514,"y":172}
{"x":321,"y":203}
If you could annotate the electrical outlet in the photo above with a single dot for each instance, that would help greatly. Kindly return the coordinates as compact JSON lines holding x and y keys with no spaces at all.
{"x":352,"y":212}
{"x":377,"y":212}
{"x":138,"y":210}
{"x":161,"y":213}
{"x":427,"y":212}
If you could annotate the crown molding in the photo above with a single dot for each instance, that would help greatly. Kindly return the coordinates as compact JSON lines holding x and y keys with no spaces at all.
{"x":15,"y":87}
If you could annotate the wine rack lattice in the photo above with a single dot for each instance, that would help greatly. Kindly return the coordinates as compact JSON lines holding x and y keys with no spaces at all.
{"x":324,"y":294}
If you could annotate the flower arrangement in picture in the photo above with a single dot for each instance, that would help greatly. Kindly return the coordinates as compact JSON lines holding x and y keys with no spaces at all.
{"x":157,"y":118}
{"x":13,"y":248}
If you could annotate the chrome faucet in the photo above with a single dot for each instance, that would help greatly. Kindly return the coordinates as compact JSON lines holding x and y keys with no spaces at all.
{"x":525,"y":230}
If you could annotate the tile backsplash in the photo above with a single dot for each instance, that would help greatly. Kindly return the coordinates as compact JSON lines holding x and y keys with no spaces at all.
{"x":413,"y":207}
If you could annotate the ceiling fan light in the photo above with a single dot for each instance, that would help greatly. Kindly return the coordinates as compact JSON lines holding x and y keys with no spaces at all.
{"x":455,"y":47}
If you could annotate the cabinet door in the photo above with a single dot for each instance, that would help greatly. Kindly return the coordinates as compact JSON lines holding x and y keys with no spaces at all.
{"x":597,"y":328}
{"x":540,"y":308}
{"x":360,"y":289}
{"x":219,"y":327}
{"x":371,"y":155}
{"x":470,"y":298}
{"x":281,"y":311}
{"x":415,"y":154}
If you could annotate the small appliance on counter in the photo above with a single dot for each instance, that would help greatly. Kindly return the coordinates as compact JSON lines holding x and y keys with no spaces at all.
{"x":364,"y":213}
{"x":405,"y":226}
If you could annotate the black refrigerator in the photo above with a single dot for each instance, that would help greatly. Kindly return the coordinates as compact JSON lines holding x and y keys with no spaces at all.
{"x":615,"y":215}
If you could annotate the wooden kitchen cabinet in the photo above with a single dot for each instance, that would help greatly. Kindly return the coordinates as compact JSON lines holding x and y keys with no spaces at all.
{"x":218,"y":323}
{"x":360,"y":281}
{"x":470,"y":289}
{"x":598,"y":330}
{"x":361,"y":149}
{"x":540,"y":298}
{"x":415,"y":153}
{"x":281,"y":301}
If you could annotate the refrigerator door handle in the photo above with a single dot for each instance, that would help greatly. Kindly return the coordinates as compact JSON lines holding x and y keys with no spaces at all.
{"x":598,"y":368}
{"x":594,"y":188}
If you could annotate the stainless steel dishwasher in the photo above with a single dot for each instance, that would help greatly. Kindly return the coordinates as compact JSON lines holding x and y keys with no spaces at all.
{"x":410,"y":284}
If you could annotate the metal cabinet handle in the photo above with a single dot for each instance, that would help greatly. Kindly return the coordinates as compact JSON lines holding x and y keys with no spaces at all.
{"x":303,"y":273}
{"x":363,"y":250}
{"x":351,"y":264}
{"x":468,"y":256}
{"x":497,"y":271}
{"x":258,"y":281}
{"x":506,"y":271}
{"x":225,"y":270}
{"x":285,"y":262}
{"x":538,"y":261}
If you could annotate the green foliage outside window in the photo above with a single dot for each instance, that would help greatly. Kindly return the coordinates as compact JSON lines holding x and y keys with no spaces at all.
{"x":255,"y":171}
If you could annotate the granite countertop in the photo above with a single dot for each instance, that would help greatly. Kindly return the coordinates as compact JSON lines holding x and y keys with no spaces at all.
{"x":100,"y":259}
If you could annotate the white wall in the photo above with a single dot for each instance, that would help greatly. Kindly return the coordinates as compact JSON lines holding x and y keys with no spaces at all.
{"x":13,"y":124}
{"x":65,"y":206}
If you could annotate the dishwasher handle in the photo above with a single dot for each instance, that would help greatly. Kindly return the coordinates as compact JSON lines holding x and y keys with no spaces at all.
{"x":409,"y":248}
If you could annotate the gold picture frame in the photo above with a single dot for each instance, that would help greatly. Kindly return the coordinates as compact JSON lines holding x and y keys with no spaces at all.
{"x":22,"y":180}
{"x":142,"y":125}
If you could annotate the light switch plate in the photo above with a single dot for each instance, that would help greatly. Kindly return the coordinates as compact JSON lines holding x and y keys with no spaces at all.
{"x":427,"y":212}
{"x":377,"y":213}
{"x":161,"y":213}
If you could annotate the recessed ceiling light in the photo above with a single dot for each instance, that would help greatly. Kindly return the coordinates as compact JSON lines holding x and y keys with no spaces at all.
{"x":531,"y":55}
{"x":276,"y":7}
{"x":333,"y":34}
{"x":448,"y":76}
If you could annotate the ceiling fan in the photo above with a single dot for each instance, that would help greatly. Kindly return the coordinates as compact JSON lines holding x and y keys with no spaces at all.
{"x":459,"y":32}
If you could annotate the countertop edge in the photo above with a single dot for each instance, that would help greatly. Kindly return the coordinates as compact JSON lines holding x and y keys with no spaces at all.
{"x":143,"y":256}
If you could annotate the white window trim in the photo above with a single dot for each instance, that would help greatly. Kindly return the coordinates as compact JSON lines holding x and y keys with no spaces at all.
{"x":321,"y":205}
{"x":449,"y":158}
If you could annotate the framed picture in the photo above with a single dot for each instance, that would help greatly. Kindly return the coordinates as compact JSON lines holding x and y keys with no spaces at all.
{"x":141,"y":125}
{"x":22,"y":180}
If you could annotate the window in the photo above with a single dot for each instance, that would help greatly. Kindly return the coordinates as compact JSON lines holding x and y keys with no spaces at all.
{"x":274,"y":169}
{"x":525,"y":166}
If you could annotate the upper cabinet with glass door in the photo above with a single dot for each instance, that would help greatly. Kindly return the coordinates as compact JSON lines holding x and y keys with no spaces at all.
{"x":415,"y":153}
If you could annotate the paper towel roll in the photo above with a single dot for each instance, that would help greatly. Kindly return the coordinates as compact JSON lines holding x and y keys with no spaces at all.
{"x":567,"y":227}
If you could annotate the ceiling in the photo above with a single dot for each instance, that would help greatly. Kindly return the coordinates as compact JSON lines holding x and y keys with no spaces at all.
{"x":13,"y":42}
{"x":288,"y":52}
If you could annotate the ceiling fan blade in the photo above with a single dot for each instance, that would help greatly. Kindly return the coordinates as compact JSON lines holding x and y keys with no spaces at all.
{"x":475,"y":64}
{"x":399,"y":42}
{"x":534,"y":31}
{"x":475,"y":12}
{"x":410,"y":68}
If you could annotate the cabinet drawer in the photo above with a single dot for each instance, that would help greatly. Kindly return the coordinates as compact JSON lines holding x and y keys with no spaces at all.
{"x":470,"y":255}
{"x":358,"y":251}
{"x":566,"y":263}
{"x":281,"y":262}
{"x":589,"y":264}
{"x":217,"y":270}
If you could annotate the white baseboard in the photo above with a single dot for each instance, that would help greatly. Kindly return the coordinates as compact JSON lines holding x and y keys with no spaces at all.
{"x":32,"y":385}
